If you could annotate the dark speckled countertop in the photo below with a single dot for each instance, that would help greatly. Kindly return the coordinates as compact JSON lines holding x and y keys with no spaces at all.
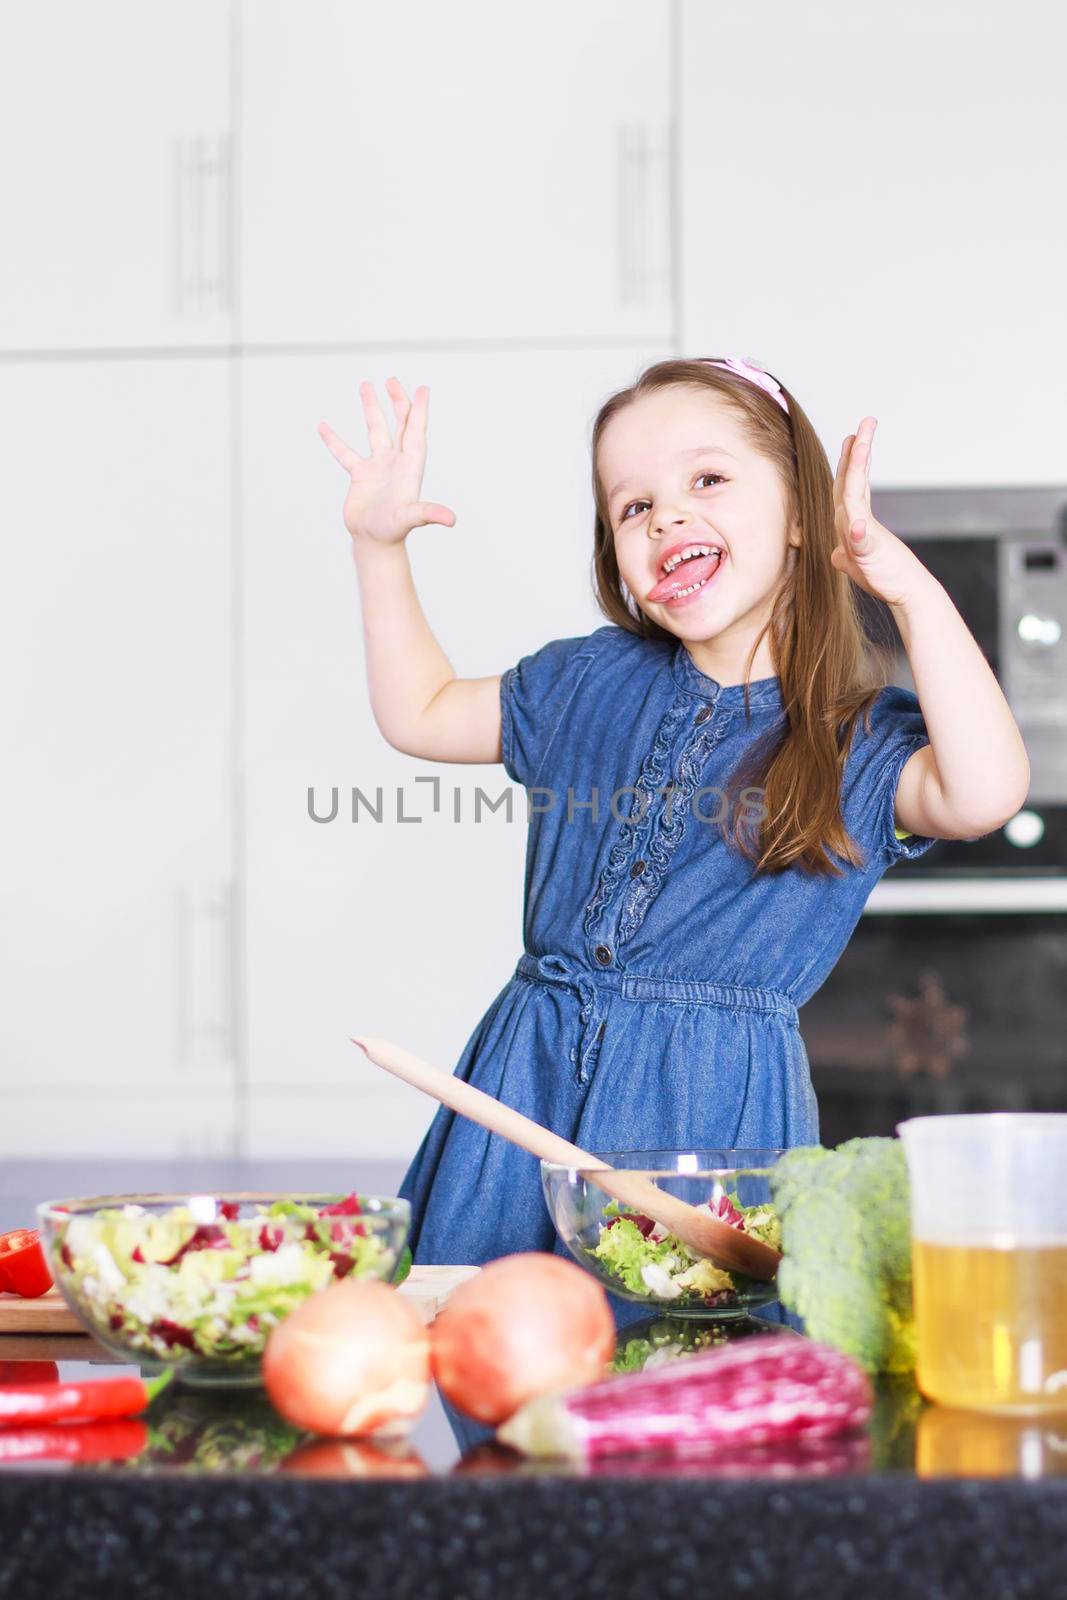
{"x":218,"y":1496}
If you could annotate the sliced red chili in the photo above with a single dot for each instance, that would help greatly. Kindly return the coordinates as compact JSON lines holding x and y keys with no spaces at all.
{"x":38,"y":1403}
{"x":23,"y":1268}
{"x":90,"y":1441}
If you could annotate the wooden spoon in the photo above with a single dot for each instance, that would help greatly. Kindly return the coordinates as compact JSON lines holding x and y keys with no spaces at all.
{"x":706,"y":1235}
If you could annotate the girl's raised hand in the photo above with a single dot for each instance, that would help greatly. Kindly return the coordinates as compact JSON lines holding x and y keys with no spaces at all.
{"x":872,"y":556}
{"x":383,"y":502}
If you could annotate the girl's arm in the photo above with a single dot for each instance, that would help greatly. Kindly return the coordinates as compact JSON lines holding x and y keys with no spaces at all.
{"x":419,"y":704}
{"x":974,"y":774}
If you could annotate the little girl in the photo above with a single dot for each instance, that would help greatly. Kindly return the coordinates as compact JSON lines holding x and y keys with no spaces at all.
{"x":716,"y":779}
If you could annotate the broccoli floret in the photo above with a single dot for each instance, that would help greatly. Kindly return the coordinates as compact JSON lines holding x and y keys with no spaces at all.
{"x":846,"y":1248}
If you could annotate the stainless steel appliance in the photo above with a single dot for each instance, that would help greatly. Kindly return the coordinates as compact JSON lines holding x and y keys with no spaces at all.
{"x":952,"y":992}
{"x":1001,"y":554}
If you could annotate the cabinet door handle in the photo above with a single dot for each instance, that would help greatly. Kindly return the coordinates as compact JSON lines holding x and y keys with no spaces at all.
{"x":183,"y":986}
{"x":205,"y":977}
{"x":202,"y":174}
{"x":645,"y":215}
{"x":229,"y":955}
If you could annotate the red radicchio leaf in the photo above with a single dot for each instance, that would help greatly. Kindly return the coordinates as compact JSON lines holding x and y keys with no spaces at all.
{"x":270,"y":1238}
{"x":341,"y":1264}
{"x":644,"y":1225}
{"x":726,"y":1211}
{"x":348,"y":1207}
{"x":208,"y":1236}
{"x":721,"y":1297}
{"x":172,"y":1332}
{"x":230,"y":1209}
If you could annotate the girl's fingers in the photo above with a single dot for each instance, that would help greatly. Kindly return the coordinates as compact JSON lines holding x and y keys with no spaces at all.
{"x":856,"y":493}
{"x":414,"y":440}
{"x":377,"y":429}
{"x":348,"y":458}
{"x":867,"y":462}
{"x":839,"y":476}
{"x":401,"y":405}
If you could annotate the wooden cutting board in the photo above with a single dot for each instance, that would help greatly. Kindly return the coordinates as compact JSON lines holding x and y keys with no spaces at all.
{"x":426,"y":1287}
{"x":49,"y":1313}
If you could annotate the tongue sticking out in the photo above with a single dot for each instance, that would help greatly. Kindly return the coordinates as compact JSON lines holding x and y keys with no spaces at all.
{"x":690,"y":572}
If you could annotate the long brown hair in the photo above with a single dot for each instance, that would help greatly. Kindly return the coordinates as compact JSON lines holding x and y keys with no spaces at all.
{"x":828,"y":672}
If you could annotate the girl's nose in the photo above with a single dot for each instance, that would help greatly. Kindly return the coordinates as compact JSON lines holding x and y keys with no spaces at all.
{"x":667,"y":521}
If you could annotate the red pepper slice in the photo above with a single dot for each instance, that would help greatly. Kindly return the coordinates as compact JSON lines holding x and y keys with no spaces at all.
{"x":70,"y":1402}
{"x":23,"y":1268}
{"x":28,"y":1372}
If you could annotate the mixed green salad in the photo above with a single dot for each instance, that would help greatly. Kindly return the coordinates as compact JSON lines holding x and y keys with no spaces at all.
{"x":652,"y":1264}
{"x":202,"y":1278}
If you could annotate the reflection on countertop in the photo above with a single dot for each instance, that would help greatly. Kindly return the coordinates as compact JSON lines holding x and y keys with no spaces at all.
{"x":191,"y":1432}
{"x":202,"y":1432}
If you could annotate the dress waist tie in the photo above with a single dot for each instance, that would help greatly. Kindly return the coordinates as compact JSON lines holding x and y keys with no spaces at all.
{"x":593,"y":985}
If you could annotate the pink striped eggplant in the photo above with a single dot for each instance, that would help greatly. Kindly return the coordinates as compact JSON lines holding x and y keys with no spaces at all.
{"x":752,"y":1391}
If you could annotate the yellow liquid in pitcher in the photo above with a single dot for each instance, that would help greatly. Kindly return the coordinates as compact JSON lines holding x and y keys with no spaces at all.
{"x":991,"y":1322}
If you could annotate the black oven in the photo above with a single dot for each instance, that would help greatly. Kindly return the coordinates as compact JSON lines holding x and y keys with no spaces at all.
{"x":960,"y":1006}
{"x":1001,"y":553}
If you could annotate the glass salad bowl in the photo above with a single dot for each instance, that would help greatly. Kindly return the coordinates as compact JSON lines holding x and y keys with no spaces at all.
{"x":638,"y":1259}
{"x":197,"y":1282}
{"x":659,"y":1339}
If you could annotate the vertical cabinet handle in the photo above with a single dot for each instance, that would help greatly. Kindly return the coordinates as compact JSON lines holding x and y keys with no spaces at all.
{"x":205,"y":973}
{"x":645,"y":219}
{"x":202,"y":178}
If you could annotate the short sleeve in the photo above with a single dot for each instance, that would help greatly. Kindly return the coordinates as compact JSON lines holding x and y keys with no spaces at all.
{"x":877,"y":759}
{"x":534,"y":696}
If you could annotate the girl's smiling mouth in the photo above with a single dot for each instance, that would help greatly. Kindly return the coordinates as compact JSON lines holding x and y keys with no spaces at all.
{"x":687,"y":569}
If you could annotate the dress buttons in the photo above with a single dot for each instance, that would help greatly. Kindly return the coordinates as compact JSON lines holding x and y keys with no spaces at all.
{"x":703,"y":714}
{"x":637,"y":869}
{"x":603,"y":955}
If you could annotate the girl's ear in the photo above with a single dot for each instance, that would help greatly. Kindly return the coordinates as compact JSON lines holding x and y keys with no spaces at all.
{"x":793,"y":536}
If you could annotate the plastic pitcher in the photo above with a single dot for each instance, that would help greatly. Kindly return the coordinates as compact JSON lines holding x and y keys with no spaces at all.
{"x":989,"y":1258}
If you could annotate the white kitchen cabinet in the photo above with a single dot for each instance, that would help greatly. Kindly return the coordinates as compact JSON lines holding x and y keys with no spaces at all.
{"x":151,"y":1123}
{"x":873,"y":209}
{"x":401,"y":929}
{"x":117,"y":930}
{"x":427,"y":173}
{"x":115,"y":174}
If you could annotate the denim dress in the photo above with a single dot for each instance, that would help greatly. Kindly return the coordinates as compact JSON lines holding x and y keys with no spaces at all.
{"x":654,"y":1004}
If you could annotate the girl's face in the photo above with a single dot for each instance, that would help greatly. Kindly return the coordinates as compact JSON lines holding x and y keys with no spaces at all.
{"x":679,"y":476}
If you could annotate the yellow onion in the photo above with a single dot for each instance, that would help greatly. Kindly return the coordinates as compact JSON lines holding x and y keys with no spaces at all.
{"x":526,"y":1325}
{"x":351,"y":1360}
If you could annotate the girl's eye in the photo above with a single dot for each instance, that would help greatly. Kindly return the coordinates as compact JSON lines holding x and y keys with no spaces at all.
{"x":700,"y":475}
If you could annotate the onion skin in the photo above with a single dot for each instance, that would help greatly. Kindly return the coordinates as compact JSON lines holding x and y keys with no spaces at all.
{"x":527,"y":1324}
{"x":351,"y":1360}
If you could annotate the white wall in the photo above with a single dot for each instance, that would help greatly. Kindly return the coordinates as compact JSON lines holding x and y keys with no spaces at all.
{"x":219,"y":219}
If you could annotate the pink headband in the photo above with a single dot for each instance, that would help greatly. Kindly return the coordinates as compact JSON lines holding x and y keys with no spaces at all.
{"x":754,"y":374}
